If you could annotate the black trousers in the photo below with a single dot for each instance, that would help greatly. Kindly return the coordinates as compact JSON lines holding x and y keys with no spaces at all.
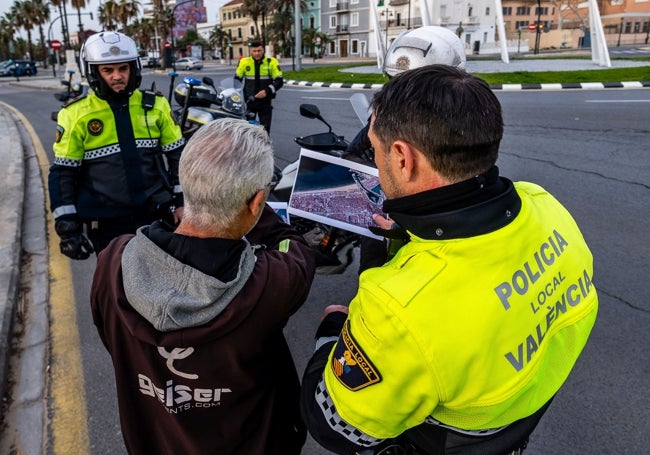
{"x":264,"y":113}
{"x":102,"y":230}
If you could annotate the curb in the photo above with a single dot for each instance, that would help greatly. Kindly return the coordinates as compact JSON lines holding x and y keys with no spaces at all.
{"x":12,"y":174}
{"x":504,"y":87}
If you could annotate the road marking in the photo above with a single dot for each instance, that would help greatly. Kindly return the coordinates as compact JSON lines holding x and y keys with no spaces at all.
{"x":617,"y":101}
{"x":67,"y":391}
{"x":325,"y":98}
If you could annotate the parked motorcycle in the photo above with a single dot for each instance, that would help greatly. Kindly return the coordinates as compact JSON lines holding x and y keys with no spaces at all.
{"x":73,"y":90}
{"x":334,"y":246}
{"x":201,"y":102}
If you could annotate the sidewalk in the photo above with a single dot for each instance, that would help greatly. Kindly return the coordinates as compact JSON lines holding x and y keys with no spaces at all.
{"x":23,"y":239}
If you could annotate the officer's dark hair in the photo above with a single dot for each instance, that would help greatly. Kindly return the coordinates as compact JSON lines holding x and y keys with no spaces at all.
{"x":451,"y":116}
{"x":256,"y":43}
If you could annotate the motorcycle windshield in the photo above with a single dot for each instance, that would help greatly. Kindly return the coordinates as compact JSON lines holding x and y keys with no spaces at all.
{"x":232,"y":91}
{"x":231,"y":82}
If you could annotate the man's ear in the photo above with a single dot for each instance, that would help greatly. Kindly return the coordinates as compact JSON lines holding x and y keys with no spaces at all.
{"x":404,"y":159}
{"x":257,"y":202}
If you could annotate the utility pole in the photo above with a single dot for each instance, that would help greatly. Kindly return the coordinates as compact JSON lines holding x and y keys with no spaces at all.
{"x":538,"y":30}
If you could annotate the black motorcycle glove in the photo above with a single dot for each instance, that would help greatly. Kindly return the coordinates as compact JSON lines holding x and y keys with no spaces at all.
{"x":74,"y":243}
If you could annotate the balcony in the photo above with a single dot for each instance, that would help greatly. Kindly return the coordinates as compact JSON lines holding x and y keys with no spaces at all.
{"x":342,"y":28}
{"x":444,"y":20}
{"x":342,"y":6}
{"x":397,"y":2}
{"x":472,"y":20}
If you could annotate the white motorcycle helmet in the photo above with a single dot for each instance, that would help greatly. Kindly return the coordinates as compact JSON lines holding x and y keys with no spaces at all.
{"x":424,"y":46}
{"x":106,"y":48}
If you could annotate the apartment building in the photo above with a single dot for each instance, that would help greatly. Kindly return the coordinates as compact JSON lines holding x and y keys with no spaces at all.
{"x":239,"y":26}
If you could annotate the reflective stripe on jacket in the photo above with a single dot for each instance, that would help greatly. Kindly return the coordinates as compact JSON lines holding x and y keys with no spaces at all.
{"x":268,"y":77}
{"x":108,"y":161}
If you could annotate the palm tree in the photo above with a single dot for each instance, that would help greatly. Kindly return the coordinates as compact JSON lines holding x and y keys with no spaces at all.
{"x":7,"y":30}
{"x":255,"y":9}
{"x":282,"y":23}
{"x":280,"y":31}
{"x":127,"y":9}
{"x":107,"y":14}
{"x":41,"y":16}
{"x":60,"y":4}
{"x":163,"y":21}
{"x":22,"y":13}
{"x":219,"y":39}
{"x":79,"y":5}
{"x":143,"y":32}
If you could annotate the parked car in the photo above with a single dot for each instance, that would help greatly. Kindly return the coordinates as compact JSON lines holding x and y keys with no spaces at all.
{"x":189,"y":63}
{"x":6,"y":67}
{"x":150,"y":62}
{"x":153,"y":62}
{"x":22,"y":67}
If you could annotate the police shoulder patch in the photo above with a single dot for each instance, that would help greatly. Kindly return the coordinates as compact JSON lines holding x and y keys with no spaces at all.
{"x":95,"y":127}
{"x":59,"y":133}
{"x":350,"y":364}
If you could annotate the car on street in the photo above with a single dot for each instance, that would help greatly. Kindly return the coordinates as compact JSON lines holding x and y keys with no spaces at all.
{"x":189,"y":63}
{"x":5,"y":67}
{"x":22,"y":67}
{"x":150,"y":62}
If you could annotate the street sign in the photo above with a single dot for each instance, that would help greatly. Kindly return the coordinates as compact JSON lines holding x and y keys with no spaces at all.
{"x":532,"y":27}
{"x":168,"y":44}
{"x":55,"y":44}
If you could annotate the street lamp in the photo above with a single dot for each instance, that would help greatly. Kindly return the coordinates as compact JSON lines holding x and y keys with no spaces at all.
{"x":388,"y":13}
{"x":49,"y":30}
{"x":620,"y":30}
{"x":408,"y":19}
{"x":49,"y":33}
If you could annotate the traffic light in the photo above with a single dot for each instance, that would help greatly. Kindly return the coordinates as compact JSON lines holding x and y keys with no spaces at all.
{"x":380,"y":3}
{"x":250,"y":42}
{"x":229,"y":43}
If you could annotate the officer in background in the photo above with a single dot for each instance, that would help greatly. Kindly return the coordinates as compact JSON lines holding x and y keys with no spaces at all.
{"x":262,"y":79}
{"x":447,"y":347}
{"x":116,"y":152}
{"x":410,"y":50}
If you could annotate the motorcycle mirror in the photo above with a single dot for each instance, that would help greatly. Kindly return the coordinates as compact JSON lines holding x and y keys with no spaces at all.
{"x":208,"y":81}
{"x":310,"y":111}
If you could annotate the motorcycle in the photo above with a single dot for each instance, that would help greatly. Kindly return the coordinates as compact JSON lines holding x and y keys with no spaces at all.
{"x":201,"y":102}
{"x":333,"y":246}
{"x":72,"y":91}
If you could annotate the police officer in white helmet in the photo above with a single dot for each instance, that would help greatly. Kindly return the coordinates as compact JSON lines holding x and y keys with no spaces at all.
{"x":412,"y":49}
{"x":116,"y":152}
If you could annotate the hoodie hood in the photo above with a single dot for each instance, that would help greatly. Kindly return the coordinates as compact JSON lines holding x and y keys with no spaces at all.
{"x":183,"y":296}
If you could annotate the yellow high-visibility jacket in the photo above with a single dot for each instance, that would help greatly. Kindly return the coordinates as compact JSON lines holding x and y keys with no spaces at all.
{"x":473,"y":332}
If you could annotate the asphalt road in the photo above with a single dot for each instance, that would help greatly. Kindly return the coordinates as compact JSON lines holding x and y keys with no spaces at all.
{"x":589,"y":148}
